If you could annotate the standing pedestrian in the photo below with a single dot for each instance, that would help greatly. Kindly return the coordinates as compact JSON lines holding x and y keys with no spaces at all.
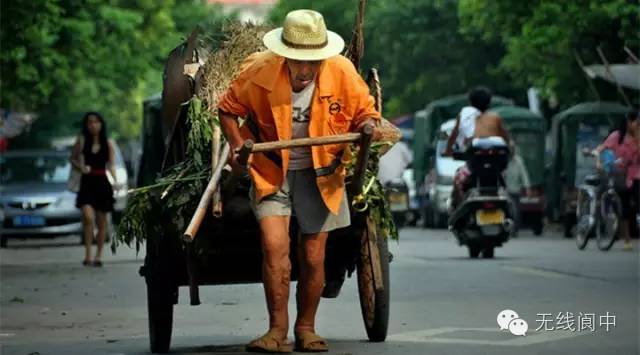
{"x":93,"y":155}
{"x":624,"y":144}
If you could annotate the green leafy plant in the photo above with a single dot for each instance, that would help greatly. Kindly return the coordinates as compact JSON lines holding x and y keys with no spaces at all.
{"x":175,"y":194}
{"x":374,"y":198}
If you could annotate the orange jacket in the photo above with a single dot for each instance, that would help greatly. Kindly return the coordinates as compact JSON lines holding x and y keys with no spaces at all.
{"x":262,"y":94}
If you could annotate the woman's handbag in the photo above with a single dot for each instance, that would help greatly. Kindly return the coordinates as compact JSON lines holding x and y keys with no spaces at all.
{"x":75,"y":174}
{"x":73,"y":183}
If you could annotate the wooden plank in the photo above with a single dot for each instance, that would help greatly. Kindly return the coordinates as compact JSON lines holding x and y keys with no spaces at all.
{"x":305,"y":142}
{"x":216,"y":139}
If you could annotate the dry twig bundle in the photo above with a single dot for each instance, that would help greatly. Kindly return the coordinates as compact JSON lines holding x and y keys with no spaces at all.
{"x":223,"y":64}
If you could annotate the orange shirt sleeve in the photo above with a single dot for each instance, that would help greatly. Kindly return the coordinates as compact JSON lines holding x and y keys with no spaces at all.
{"x":365,"y":103}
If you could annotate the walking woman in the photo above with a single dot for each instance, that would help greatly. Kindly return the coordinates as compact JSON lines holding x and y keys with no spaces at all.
{"x":93,"y":154}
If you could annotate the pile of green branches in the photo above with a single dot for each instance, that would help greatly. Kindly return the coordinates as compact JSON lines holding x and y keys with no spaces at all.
{"x":165,"y":207}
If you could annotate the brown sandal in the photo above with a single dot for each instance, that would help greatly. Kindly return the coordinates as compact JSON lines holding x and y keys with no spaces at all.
{"x":310,"y":342}
{"x":270,"y":343}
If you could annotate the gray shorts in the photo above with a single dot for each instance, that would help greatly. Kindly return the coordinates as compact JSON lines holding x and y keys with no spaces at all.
{"x":299,"y":196}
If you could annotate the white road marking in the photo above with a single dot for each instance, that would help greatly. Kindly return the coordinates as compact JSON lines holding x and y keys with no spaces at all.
{"x":436,"y":335}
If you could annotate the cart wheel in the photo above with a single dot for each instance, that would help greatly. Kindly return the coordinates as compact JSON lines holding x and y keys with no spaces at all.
{"x":374,"y":303}
{"x":160,"y":309}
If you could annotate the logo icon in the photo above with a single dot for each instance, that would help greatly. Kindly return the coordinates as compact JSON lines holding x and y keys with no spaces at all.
{"x":509,"y":320}
{"x":505,"y":317}
{"x":518,"y":327}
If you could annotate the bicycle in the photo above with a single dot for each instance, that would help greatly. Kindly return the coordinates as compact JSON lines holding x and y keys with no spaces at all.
{"x":599,"y":208}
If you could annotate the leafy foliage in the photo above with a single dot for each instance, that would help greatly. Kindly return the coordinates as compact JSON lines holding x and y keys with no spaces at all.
{"x":428,"y":49}
{"x":541,"y":38}
{"x":200,"y":132}
{"x":63,"y":56}
{"x":423,"y":57}
{"x":375,"y":200}
{"x":165,"y":207}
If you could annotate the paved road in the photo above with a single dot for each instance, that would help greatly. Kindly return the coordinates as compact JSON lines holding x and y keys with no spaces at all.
{"x":442,"y":302}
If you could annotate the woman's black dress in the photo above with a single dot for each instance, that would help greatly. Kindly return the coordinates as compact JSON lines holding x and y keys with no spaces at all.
{"x":95,"y":189}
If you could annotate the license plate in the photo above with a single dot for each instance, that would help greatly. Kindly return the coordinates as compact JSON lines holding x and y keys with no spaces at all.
{"x":398,"y":202}
{"x":28,"y":221}
{"x":484,"y":217}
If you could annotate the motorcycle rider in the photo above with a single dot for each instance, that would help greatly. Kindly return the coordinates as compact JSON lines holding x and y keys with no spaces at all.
{"x":469,"y":125}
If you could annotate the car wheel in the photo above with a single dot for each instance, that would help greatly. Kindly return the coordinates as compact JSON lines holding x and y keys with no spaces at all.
{"x":3,"y":242}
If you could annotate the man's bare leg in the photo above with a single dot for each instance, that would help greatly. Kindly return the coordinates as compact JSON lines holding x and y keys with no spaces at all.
{"x":311,"y":252}
{"x":276,"y":271}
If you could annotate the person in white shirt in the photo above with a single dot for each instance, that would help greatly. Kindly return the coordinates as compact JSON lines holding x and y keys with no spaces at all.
{"x":465,"y":127}
{"x":394,"y":162}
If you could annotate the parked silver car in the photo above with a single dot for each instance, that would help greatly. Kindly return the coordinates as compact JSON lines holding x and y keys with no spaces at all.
{"x":34,"y":199}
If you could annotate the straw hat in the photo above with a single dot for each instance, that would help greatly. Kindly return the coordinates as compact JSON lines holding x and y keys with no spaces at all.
{"x":304,"y":36}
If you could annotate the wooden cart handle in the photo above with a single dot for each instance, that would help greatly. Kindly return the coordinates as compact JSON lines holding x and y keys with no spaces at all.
{"x":201,"y":210}
{"x":249,"y":147}
{"x":303,"y":142}
{"x":361,"y":161}
{"x":364,"y":139}
{"x":245,"y":151}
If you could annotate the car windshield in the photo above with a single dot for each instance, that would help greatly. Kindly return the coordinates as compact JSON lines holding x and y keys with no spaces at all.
{"x":42,"y":168}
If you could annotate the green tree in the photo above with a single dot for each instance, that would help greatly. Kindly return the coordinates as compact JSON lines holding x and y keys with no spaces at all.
{"x":338,"y":14}
{"x":541,"y":38}
{"x":422,"y":56}
{"x":64,"y":56}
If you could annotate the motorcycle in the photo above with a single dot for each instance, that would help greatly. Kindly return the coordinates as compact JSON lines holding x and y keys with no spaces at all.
{"x":483,"y":220}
